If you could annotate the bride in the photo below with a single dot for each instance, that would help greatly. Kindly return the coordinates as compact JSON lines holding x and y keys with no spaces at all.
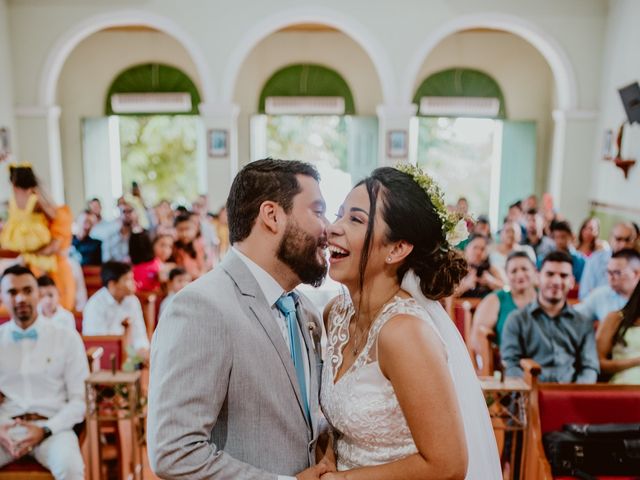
{"x":398,"y":388}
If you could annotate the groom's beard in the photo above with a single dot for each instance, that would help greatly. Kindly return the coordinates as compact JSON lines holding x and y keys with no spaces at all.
{"x":299,"y":251}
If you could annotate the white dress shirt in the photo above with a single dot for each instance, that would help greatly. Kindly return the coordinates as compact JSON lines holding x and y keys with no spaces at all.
{"x":44,"y":376}
{"x":61,"y":317}
{"x":103,"y":315}
{"x":272,"y":292}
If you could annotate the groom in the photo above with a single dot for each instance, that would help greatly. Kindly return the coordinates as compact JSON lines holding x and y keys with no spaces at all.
{"x":235,"y":360}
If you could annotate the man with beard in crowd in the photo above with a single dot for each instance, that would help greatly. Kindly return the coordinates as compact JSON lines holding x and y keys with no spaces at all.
{"x":235,"y":365}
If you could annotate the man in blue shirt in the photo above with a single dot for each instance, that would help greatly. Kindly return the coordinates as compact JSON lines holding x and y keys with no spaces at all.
{"x":563,"y":237}
{"x":623,"y":272}
{"x":623,"y":236}
{"x":551,"y":332}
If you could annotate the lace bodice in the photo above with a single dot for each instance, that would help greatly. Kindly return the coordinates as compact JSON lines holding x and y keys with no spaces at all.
{"x":370,"y":428}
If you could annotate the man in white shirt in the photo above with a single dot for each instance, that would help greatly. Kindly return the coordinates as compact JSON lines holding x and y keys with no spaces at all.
{"x":115,"y":306}
{"x":42,"y":372}
{"x":49,"y":307}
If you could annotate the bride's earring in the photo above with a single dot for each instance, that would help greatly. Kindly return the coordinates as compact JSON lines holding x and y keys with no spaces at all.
{"x":389,"y":259}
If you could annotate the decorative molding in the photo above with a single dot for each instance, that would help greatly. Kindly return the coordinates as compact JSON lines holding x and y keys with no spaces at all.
{"x":68,"y":41}
{"x":38,"y":111}
{"x":576,"y":114}
{"x":316,"y":15}
{"x":561,"y":67}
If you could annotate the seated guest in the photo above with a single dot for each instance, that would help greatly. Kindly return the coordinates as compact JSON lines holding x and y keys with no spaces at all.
{"x":189,"y":250}
{"x":562,"y":236}
{"x":618,"y":341}
{"x":493,"y":310}
{"x":482,"y":277}
{"x":88,"y":248}
{"x":114,"y":307}
{"x":551,"y":332}
{"x":623,"y":235}
{"x":510,"y":237}
{"x":541,"y":244}
{"x":48,"y":306}
{"x":178,"y":279}
{"x":150,"y":261}
{"x":588,"y":241}
{"x":116,"y":245}
{"x":42,"y":372}
{"x":623,"y":272}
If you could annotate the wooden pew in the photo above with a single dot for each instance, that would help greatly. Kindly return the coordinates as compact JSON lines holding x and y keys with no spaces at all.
{"x":92,"y":278}
{"x":552,"y":405}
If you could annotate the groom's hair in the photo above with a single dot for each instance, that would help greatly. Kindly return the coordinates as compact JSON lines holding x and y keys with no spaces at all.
{"x":260,"y":181}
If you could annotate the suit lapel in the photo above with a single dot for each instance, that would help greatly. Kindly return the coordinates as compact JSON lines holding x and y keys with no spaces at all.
{"x":256,"y":305}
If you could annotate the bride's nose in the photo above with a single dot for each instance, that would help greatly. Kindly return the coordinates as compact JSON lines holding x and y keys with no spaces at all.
{"x":335,"y":228}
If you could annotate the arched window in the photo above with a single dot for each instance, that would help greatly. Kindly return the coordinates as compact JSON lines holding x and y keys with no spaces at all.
{"x":154,"y":78}
{"x":461,"y":82}
{"x":307,"y":80}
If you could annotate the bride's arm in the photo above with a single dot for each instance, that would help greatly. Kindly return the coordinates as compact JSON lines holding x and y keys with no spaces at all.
{"x":412,"y":357}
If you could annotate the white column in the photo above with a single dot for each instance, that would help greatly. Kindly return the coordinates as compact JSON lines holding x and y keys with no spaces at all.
{"x":221,"y":170}
{"x":39,"y":141}
{"x":394,"y":118}
{"x":6,"y":98}
{"x":575,"y":137}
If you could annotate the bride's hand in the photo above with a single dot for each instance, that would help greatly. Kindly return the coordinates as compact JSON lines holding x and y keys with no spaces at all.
{"x":333,"y":476}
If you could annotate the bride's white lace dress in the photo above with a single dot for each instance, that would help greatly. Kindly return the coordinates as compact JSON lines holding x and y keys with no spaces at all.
{"x":362,"y":408}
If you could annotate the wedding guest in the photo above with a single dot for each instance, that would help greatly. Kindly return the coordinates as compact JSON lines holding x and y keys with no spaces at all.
{"x":482,"y":277}
{"x":550,"y":331}
{"x":623,"y":235}
{"x":494,"y":309}
{"x":510,"y":237}
{"x":42,"y":372}
{"x":623,"y":272}
{"x":618,"y":341}
{"x":151,"y":261}
{"x":588,"y":241}
{"x":562,"y":236}
{"x":178,"y":279}
{"x":536,"y":239}
{"x":114,"y":307}
{"x":49,"y":307}
{"x":189,"y":250}
{"x":88,"y":248}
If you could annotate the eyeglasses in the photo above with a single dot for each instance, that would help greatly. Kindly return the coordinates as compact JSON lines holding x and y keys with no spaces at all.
{"x":614,"y":273}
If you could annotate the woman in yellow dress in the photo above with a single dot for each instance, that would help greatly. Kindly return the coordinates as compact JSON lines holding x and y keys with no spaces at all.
{"x":618,"y":341}
{"x":27,"y":228}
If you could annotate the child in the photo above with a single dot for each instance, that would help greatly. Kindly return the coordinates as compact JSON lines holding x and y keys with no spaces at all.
{"x":189,"y":251}
{"x":27,"y":228}
{"x":151,"y":261}
{"x":48,"y":306}
{"x":178,"y":279}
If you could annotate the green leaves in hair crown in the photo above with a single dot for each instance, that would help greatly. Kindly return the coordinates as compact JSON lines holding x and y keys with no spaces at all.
{"x":454,"y":225}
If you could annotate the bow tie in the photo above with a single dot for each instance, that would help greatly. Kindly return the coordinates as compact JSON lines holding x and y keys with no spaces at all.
{"x":31,"y":335}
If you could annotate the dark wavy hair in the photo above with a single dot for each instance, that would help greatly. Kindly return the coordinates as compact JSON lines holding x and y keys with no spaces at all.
{"x":630,"y":313}
{"x":410,"y":215}
{"x":22,"y":177}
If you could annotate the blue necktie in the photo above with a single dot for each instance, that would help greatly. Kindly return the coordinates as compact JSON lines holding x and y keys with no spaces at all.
{"x":287,"y":306}
{"x":31,"y":335}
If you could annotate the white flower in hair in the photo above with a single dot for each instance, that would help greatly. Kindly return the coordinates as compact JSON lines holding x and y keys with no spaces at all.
{"x":459,"y":233}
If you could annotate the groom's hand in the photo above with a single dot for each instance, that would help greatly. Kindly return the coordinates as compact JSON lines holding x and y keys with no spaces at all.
{"x":314,"y":472}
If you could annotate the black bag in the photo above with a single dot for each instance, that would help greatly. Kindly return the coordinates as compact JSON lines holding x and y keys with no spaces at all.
{"x":584,"y":450}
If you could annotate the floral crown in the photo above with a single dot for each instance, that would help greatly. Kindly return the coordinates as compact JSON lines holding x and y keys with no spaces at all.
{"x":13,"y":165}
{"x":454,"y":224}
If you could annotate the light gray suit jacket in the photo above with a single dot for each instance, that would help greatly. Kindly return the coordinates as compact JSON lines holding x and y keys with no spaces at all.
{"x":224,"y":400}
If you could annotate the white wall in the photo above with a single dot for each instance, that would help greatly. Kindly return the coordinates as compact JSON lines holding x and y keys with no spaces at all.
{"x":93,"y":65}
{"x":395,"y":34}
{"x":521,"y":71}
{"x":621,"y":66}
{"x":331,"y":49}
{"x":6,"y":96}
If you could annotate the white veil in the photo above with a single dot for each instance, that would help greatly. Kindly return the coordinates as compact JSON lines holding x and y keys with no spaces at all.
{"x":484,"y":461}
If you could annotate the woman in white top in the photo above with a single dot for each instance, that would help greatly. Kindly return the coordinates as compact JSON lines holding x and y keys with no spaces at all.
{"x":510,"y":237}
{"x":398,"y":386}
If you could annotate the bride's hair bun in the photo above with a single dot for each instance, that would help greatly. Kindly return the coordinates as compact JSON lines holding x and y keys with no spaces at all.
{"x":411,"y":216}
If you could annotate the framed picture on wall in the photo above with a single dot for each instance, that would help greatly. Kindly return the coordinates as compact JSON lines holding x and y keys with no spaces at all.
{"x":5,"y":147}
{"x":218,"y":143}
{"x":397,"y":144}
